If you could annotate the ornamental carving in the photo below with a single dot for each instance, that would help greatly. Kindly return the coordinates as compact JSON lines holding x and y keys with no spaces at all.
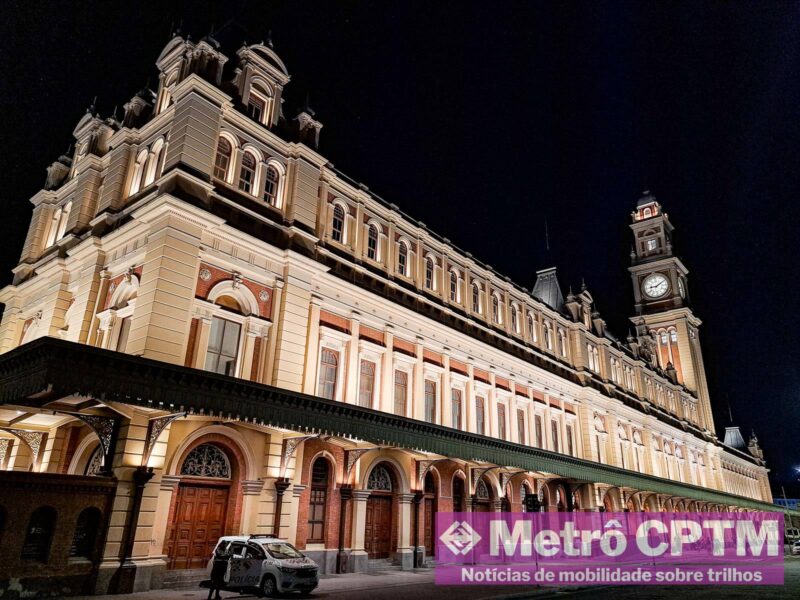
{"x":33,"y":439}
{"x":263,"y":295}
{"x":3,"y":451}
{"x":155,"y":427}
{"x":289,"y":448}
{"x":481,"y":491}
{"x":351,"y":458}
{"x":205,"y":274}
{"x":95,"y":464}
{"x":379,"y":480}
{"x":103,"y":428}
{"x":206,"y":460}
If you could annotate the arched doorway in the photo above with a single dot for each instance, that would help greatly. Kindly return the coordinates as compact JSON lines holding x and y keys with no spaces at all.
{"x":430,"y":508}
{"x":483,"y":498}
{"x":202,"y":507}
{"x":379,"y":530}
{"x":458,"y":494}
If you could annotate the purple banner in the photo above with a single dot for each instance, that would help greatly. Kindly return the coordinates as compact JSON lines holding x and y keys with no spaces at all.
{"x":609,"y":548}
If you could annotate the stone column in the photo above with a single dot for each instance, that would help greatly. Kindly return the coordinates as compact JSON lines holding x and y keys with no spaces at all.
{"x":251,"y":495}
{"x":418,"y":383}
{"x":358,"y":555}
{"x":446,"y":415}
{"x":405,"y":552}
{"x":386,"y":399}
{"x":469,"y":400}
{"x":312,"y":353}
{"x":350,"y":395}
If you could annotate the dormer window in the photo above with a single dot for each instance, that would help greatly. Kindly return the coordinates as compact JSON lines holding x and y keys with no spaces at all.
{"x":256,"y":107}
{"x":58,"y":225}
{"x":247,"y":173}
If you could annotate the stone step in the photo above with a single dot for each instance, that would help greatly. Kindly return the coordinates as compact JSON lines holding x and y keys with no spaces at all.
{"x":181,"y":579}
{"x":382,"y":565}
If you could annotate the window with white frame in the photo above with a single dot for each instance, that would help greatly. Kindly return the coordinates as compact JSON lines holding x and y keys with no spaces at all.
{"x":402,"y":258}
{"x":456,"y":409}
{"x":247,"y":172}
{"x":400,"y":392}
{"x":570,"y":439}
{"x":272,"y":178}
{"x":476,"y":297}
{"x":366,"y":383}
{"x":522,"y":438}
{"x":328,"y":371}
{"x":497,"y":315}
{"x":514,"y":318}
{"x":337,"y":224}
{"x":480,"y":415}
{"x":501,"y":421}
{"x":554,"y":435}
{"x":223,"y":346}
{"x":430,"y":401}
{"x":256,"y":107}
{"x":548,"y":336}
{"x":430,"y":282}
{"x":532,"y":329}
{"x":455,"y":293}
{"x":58,"y":224}
{"x":373,"y":239}
{"x":222,"y":160}
{"x":593,"y":357}
{"x":562,"y":342}
{"x":538,"y":430}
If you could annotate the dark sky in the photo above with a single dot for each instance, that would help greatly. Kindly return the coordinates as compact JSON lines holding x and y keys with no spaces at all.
{"x":484,"y":119}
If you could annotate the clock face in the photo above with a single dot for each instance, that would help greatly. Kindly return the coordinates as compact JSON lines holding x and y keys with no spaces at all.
{"x":655,"y":285}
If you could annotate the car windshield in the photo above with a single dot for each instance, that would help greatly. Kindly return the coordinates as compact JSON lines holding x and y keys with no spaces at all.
{"x":282,"y":550}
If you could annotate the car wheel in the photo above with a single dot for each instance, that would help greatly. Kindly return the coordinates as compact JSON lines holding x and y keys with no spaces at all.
{"x":268,"y":587}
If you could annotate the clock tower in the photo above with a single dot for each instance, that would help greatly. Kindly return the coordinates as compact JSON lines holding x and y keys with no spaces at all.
{"x":661,"y":296}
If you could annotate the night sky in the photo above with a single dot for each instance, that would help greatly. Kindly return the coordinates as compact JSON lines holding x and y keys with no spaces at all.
{"x":484,"y":120}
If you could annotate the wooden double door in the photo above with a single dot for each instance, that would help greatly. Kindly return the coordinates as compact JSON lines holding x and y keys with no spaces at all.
{"x":429,"y":533}
{"x":378,"y":531}
{"x":200,"y":516}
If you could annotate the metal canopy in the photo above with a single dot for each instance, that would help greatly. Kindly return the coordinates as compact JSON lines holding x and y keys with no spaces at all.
{"x":49,"y":368}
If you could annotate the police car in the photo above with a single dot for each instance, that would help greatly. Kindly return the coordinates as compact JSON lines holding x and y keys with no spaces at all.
{"x":265,"y":565}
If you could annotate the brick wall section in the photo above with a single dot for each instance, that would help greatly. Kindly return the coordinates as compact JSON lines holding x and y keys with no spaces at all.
{"x":68,"y":495}
{"x":219,"y":275}
{"x":113,"y":284}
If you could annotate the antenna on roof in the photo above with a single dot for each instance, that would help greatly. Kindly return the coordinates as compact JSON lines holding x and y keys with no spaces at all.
{"x":546,"y":236}
{"x":269,"y":39}
{"x":730,"y":412}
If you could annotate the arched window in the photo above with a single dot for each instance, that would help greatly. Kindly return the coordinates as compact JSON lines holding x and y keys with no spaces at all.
{"x":337,"y":226}
{"x":495,"y":309}
{"x":673,"y":336}
{"x":271,"y":181}
{"x":372,"y":242}
{"x":329,"y":362}
{"x":429,"y":270}
{"x":514,"y":319}
{"x":153,"y":160}
{"x":95,"y":464}
{"x":402,"y":259}
{"x":379,"y":479}
{"x":222,"y":160}
{"x":39,"y":534}
{"x":247,"y":173}
{"x":562,"y":342}
{"x":531,"y":328}
{"x":476,"y":298}
{"x":481,"y":491}
{"x":85,"y":537}
{"x":548,"y":336}
{"x":53,"y":230}
{"x":647,"y":213}
{"x":454,"y":286}
{"x":320,"y":476}
{"x":138,"y":172}
{"x":206,"y":460}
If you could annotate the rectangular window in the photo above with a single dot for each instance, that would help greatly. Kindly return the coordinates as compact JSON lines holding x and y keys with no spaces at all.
{"x":570,"y":442}
{"x":501,"y":421}
{"x":455,"y":405}
{"x":221,"y":163}
{"x":223,"y":346}
{"x":400,"y":392}
{"x":366,"y":384}
{"x":318,"y":501}
{"x":651,"y":245}
{"x":554,"y":431}
{"x":124,"y":331}
{"x":328,"y":363}
{"x":255,"y":108}
{"x":430,"y":401}
{"x":480,"y":417}
{"x":521,"y":426}
{"x":539,"y":431}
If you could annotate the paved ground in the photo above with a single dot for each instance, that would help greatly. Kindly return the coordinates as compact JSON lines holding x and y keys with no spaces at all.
{"x":419,"y":585}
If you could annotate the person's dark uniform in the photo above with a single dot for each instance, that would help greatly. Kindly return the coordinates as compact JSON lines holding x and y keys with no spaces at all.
{"x":218,"y":570}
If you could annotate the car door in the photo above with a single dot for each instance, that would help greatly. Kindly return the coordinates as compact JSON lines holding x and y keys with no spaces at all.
{"x":246,"y":566}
